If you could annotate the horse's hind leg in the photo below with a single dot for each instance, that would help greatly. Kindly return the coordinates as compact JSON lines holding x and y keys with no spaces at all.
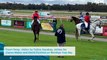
{"x":92,"y":37}
{"x":92,"y":34}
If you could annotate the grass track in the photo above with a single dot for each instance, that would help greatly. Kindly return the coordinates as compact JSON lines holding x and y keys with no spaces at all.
{"x":85,"y":50}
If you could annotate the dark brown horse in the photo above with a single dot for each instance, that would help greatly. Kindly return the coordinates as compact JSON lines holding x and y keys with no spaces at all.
{"x":35,"y":29}
{"x":76,"y":20}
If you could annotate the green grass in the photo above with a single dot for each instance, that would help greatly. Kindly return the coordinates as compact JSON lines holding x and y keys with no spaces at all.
{"x":85,"y":50}
{"x":69,"y":26}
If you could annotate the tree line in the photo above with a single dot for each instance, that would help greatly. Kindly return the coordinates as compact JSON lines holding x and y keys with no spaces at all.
{"x":70,"y":7}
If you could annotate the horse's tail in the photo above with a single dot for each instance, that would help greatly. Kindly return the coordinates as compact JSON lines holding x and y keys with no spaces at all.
{"x":76,"y":34}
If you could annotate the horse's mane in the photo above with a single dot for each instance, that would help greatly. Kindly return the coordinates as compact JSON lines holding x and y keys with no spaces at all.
{"x":76,"y":19}
{"x":35,"y":20}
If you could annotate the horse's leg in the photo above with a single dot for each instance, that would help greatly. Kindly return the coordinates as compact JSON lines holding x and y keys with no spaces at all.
{"x":92,"y":35}
{"x":34,"y":36}
{"x":76,"y":34}
{"x":79,"y":32}
{"x":38,"y":31}
{"x":38,"y":36}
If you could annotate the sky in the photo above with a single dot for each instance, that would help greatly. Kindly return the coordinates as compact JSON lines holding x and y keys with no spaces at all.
{"x":54,"y":1}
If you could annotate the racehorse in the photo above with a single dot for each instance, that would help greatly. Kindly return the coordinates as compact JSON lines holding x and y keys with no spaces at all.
{"x":92,"y":29}
{"x":36,"y":29}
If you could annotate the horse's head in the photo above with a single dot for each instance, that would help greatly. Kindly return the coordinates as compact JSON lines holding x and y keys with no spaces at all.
{"x":75,"y":19}
{"x":35,"y":20}
{"x":99,"y":23}
{"x":72,"y":18}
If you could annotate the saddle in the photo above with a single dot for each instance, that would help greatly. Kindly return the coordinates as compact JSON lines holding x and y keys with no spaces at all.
{"x":84,"y":25}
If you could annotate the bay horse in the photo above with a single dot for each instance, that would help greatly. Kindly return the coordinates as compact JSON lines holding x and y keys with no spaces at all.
{"x":36,"y":29}
{"x":76,"y":21}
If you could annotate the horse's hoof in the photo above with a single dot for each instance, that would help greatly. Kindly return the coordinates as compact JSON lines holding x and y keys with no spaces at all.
{"x":88,"y":39}
{"x":76,"y":40}
{"x":37,"y":38}
{"x":92,"y":40}
{"x":34,"y":41}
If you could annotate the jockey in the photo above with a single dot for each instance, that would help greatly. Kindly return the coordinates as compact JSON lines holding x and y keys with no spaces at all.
{"x":87,"y":19}
{"x":36,"y":15}
{"x":81,"y":17}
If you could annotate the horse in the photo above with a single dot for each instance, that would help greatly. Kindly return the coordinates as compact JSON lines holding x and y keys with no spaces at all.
{"x":92,"y":29}
{"x":36,"y":29}
{"x":76,"y":21}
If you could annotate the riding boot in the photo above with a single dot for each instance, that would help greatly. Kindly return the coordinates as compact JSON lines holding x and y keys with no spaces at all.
{"x":40,"y":26}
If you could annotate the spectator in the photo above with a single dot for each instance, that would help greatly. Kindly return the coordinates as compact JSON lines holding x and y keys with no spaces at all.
{"x":60,"y":34}
{"x":54,"y":24}
{"x":54,"y":20}
{"x":81,"y":17}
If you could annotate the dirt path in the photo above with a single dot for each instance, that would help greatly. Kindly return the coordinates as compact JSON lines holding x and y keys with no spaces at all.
{"x":50,"y":33}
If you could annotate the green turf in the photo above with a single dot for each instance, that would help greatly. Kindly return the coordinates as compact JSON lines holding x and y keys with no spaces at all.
{"x":69,"y":26}
{"x":85,"y":50}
